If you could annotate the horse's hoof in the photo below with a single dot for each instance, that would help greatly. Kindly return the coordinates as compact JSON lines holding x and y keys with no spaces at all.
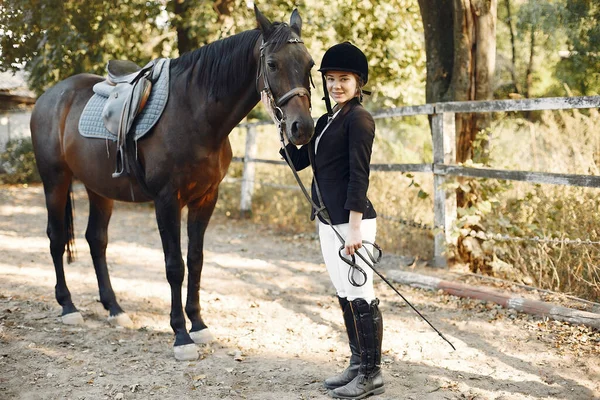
{"x":202,"y":336}
{"x":74,"y":318}
{"x":122,"y":320}
{"x":186,"y":352}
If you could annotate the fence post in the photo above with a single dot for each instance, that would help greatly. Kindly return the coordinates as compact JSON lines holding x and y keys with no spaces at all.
{"x":248,"y":173}
{"x":443,"y":128}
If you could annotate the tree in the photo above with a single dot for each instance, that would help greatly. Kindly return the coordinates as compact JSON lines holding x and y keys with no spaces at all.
{"x":553,"y":44}
{"x":460,"y":44}
{"x":200,"y":22}
{"x":580,"y":68}
{"x":388,"y":31}
{"x":53,"y":39}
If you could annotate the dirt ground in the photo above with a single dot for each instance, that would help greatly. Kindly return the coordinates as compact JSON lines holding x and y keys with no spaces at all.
{"x":278,"y":329}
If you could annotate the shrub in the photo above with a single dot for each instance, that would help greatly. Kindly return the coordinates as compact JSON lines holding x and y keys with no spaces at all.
{"x":17,"y":163}
{"x":529,"y":232}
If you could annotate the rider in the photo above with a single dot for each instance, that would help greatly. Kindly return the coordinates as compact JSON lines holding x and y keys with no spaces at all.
{"x":341,"y":151}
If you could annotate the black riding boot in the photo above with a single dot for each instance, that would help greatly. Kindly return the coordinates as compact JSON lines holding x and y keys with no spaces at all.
{"x":369,"y":326}
{"x":352,"y":370}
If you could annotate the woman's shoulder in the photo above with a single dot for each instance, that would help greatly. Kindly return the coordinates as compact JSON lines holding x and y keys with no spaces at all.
{"x":359,"y":109}
{"x":359,"y":113}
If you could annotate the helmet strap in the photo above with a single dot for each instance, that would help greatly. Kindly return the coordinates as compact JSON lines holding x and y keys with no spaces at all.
{"x":362,"y":93}
{"x":326,"y":97}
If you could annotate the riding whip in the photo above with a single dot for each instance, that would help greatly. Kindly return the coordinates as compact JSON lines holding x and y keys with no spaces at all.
{"x":320,"y":210}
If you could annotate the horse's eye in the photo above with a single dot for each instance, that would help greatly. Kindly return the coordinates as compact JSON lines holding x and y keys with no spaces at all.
{"x":272,"y":65}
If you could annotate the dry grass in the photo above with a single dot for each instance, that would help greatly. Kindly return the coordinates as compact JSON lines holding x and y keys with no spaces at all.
{"x":559,"y":142}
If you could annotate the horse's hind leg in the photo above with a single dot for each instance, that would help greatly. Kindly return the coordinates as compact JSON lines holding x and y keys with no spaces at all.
{"x":97,"y":237}
{"x":57,"y":191}
{"x":198,"y":218}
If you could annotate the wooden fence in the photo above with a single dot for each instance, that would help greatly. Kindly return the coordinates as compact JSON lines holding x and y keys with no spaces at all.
{"x":444,"y":156}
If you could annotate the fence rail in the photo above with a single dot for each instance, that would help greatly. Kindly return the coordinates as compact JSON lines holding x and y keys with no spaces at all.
{"x":443,"y":117}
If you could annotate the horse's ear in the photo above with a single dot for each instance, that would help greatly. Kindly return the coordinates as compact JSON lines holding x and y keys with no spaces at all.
{"x":296,"y":22}
{"x":264,"y":24}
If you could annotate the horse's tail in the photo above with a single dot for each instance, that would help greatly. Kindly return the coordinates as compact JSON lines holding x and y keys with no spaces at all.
{"x":69,"y":213}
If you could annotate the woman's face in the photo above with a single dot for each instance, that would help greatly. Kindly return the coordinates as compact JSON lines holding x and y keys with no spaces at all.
{"x":342,"y":86}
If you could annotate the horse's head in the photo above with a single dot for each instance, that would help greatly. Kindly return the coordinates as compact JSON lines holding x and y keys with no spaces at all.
{"x":284,"y":73}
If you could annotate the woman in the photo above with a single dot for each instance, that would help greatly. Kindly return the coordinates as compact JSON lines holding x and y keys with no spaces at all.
{"x":341,"y":153}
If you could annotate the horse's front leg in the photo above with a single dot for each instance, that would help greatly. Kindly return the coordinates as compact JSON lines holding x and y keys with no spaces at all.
{"x":199,"y":214}
{"x":168,"y":217}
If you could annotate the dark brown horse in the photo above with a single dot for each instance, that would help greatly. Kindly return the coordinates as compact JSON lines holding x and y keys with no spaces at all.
{"x":182,"y":160}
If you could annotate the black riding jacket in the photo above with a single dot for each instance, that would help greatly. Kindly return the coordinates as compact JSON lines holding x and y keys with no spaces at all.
{"x":341,"y":162}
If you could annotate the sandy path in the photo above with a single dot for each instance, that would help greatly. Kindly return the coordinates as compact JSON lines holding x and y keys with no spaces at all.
{"x":266,"y":297}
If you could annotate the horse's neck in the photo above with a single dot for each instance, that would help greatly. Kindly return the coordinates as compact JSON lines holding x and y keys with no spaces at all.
{"x":224,"y":112}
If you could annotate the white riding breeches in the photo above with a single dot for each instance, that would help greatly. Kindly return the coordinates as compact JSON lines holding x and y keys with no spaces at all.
{"x":338,"y":269}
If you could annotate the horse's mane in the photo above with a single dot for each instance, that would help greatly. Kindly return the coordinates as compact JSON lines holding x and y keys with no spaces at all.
{"x":225,"y":65}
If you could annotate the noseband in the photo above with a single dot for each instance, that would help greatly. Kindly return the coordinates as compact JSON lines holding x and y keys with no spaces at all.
{"x":281,"y":101}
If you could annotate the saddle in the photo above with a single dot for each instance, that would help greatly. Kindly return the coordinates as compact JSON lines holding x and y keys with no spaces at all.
{"x":127,"y":89}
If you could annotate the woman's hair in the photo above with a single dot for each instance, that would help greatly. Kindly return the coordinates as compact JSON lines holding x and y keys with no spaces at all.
{"x":359,"y":86}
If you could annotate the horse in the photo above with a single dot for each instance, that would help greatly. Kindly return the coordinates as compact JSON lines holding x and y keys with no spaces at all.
{"x":181,"y":162}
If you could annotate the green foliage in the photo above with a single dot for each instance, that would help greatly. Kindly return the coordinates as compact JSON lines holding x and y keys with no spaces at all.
{"x":206,"y":21}
{"x":580,"y":69}
{"x":390,"y":33}
{"x":480,"y":198}
{"x":18,"y":162}
{"x":556,"y":45}
{"x":54,"y":39}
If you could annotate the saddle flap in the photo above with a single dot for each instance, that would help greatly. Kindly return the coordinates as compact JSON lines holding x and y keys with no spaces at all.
{"x":123,"y":105}
{"x":113,"y":108}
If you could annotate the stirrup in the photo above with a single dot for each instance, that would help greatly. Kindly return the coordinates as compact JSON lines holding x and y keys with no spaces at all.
{"x":120,"y":157}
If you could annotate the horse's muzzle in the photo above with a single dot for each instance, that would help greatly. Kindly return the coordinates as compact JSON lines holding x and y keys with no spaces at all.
{"x":300,"y":130}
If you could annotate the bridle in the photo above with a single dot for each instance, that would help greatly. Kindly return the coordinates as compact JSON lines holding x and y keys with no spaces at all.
{"x":276,"y":104}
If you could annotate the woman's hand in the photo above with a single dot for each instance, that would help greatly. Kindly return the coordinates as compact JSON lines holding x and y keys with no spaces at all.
{"x":354,"y":237}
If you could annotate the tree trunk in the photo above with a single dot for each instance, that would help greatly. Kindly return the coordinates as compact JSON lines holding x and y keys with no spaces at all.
{"x":439,"y":48}
{"x":226,"y":23}
{"x":223,"y":7}
{"x":187,"y":39}
{"x":511,"y":27}
{"x":475,"y":54}
{"x":529,"y":72}
{"x":184,"y":42}
{"x":460,"y":45}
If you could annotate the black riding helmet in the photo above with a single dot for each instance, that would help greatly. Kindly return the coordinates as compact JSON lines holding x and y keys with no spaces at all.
{"x":344,"y":57}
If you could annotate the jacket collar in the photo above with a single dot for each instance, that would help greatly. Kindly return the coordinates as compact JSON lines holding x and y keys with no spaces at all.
{"x":345,"y":110}
{"x":350,"y":105}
